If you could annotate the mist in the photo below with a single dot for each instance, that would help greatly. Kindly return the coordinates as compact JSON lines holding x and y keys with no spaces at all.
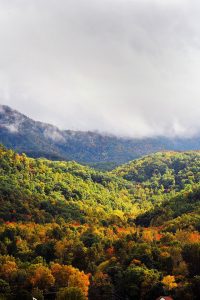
{"x":126,"y":67}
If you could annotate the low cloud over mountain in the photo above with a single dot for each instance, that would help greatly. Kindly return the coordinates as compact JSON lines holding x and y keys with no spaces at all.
{"x":126,"y":67}
{"x":39,"y":139}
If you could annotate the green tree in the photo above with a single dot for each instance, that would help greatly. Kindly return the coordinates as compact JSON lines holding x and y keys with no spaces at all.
{"x":72,"y":293}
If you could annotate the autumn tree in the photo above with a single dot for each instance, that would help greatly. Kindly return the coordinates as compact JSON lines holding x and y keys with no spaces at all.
{"x":169,"y":282}
{"x":41,"y":277}
{"x":68,"y":276}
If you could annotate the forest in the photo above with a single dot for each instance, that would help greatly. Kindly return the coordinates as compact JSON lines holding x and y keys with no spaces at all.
{"x":70,"y":232}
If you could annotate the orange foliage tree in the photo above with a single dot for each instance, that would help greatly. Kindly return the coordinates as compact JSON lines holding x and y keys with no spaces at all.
{"x":68,"y":276}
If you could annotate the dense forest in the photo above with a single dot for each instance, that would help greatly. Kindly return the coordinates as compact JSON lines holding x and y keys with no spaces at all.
{"x":68,"y":231}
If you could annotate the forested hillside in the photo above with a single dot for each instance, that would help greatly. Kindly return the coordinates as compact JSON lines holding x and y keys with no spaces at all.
{"x":164,"y":172}
{"x":70,"y":232}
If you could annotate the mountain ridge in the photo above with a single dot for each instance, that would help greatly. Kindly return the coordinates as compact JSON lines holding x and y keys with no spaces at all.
{"x":38,"y":139}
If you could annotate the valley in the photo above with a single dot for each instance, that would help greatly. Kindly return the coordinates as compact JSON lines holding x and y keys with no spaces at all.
{"x":131,"y":233}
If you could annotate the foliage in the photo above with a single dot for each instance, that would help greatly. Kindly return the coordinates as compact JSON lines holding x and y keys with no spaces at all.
{"x":72,"y":293}
{"x":169,"y":282}
{"x":69,"y":231}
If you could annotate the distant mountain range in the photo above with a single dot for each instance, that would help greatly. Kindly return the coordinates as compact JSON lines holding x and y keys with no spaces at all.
{"x":38,"y":139}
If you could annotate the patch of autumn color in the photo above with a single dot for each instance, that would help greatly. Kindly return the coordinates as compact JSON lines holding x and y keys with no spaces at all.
{"x":151,"y":234}
{"x":101,"y":275}
{"x":41,"y":277}
{"x":158,"y":236}
{"x":59,"y":248}
{"x":22,"y":245}
{"x":187,"y":237}
{"x":75,"y":224}
{"x":148,"y":235}
{"x":42,"y":234}
{"x":7,"y":269}
{"x":165,"y":254}
{"x":136,"y":262}
{"x":164,"y":248}
{"x":61,"y":274}
{"x":121,"y":230}
{"x":169,"y":282}
{"x":101,"y":279}
{"x":62,"y":247}
{"x":9,"y":223}
{"x":109,"y":232}
{"x":81,"y":280}
{"x":68,"y":276}
{"x":194,"y":237}
{"x":110,"y":251}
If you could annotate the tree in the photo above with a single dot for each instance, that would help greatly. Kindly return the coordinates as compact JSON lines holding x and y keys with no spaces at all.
{"x":68,"y":276}
{"x":138,"y":281}
{"x":7,"y":269}
{"x":191,"y":254}
{"x":72,"y":293}
{"x":4,"y":287}
{"x":41,"y":277}
{"x":38,"y":294}
{"x":101,"y":288}
{"x":23,"y":295}
{"x":169,"y":282}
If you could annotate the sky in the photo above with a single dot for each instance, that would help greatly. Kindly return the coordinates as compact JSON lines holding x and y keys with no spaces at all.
{"x":126,"y":67}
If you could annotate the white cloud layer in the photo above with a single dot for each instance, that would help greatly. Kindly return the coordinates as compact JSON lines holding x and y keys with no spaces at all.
{"x":128,"y":67}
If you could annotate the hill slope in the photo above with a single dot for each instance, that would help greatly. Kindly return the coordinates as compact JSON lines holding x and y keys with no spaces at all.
{"x":38,"y":139}
{"x":182,"y":212}
{"x":64,"y":225}
{"x":43,"y":191}
{"x":172,"y":181}
{"x":166,"y":171}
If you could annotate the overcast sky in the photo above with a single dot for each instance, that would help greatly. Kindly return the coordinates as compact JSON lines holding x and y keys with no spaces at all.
{"x":128,"y":67}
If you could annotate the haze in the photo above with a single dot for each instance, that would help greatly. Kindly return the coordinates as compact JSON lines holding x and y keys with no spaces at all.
{"x":126,"y":67}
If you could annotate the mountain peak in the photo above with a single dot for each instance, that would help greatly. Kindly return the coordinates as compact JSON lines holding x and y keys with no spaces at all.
{"x":10,"y":119}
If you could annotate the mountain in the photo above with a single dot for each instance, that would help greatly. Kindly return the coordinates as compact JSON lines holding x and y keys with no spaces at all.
{"x":171,"y":182}
{"x":68,"y":231}
{"x":172,"y":170}
{"x":42,"y":190}
{"x":38,"y":139}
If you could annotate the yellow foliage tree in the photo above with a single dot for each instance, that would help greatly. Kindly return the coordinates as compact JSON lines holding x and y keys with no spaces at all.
{"x":169,"y":282}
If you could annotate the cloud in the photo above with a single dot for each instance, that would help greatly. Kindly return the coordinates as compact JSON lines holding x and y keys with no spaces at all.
{"x":53,"y":133}
{"x":128,"y":67}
